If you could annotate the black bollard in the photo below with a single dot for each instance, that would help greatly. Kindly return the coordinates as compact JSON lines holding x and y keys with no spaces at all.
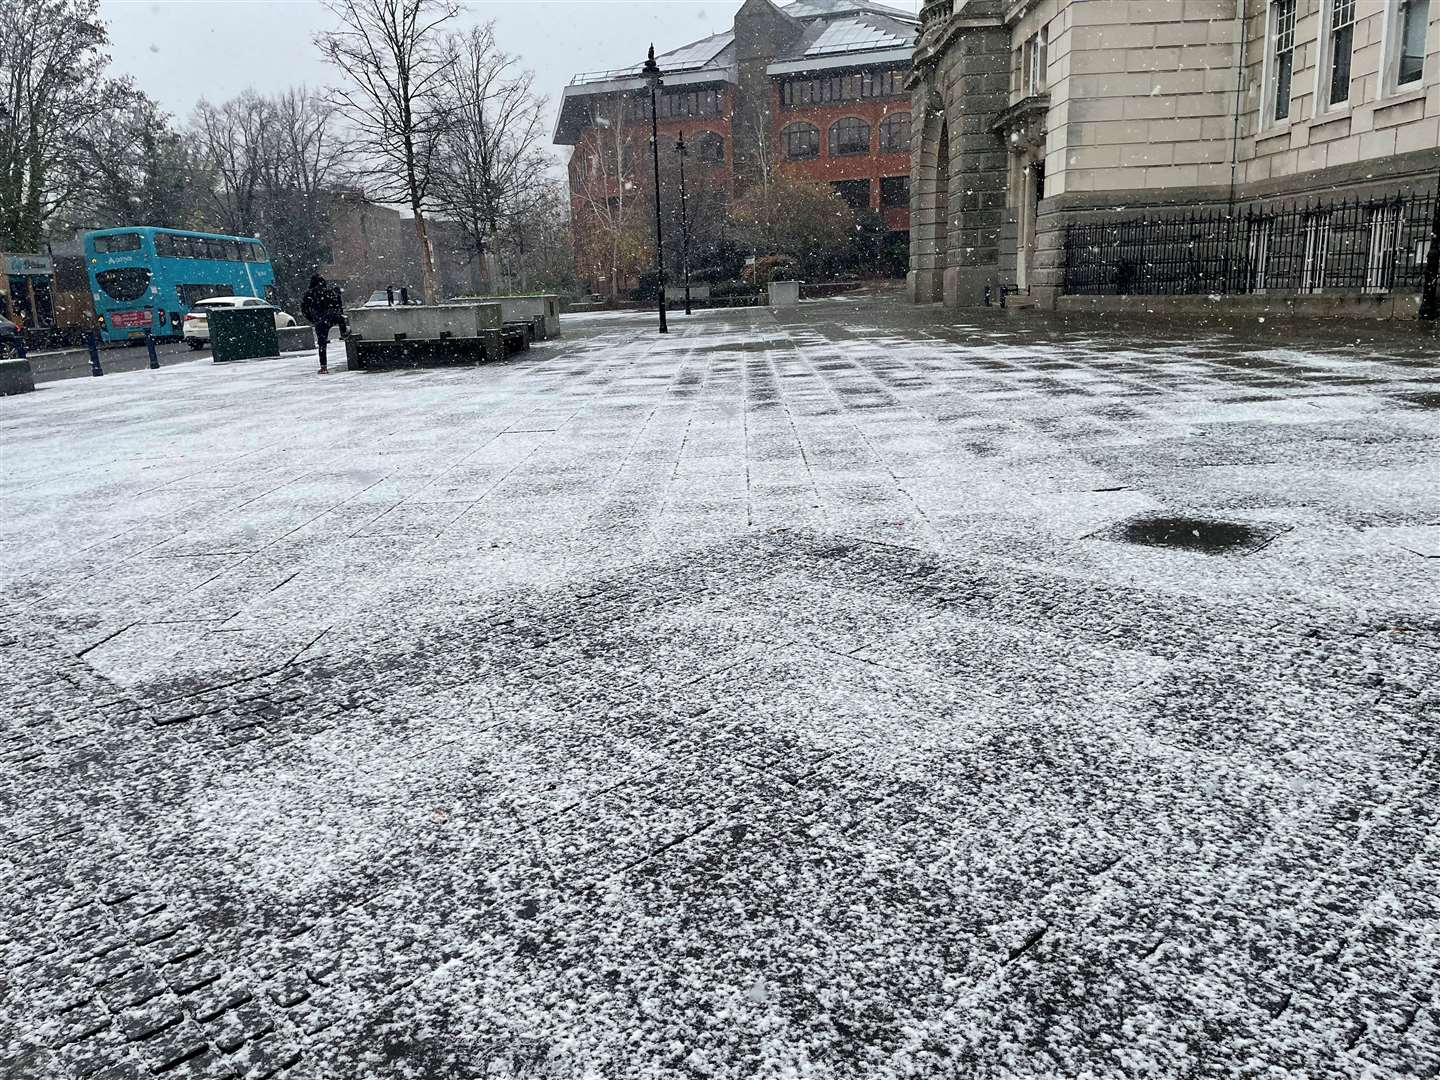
{"x":93,"y":343}
{"x":20,"y":350}
{"x":150,"y":348}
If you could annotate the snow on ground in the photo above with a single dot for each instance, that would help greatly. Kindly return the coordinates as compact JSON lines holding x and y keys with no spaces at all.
{"x":779,"y":698}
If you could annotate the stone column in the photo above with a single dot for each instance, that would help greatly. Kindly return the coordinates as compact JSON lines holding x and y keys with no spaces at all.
{"x":974,"y":81}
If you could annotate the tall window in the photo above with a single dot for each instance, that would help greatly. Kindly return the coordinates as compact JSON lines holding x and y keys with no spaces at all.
{"x":1338,"y":47}
{"x":1410,"y":20}
{"x":1282,"y":57}
{"x":894,"y":192}
{"x":1317,"y":251}
{"x":801,"y":141}
{"x":1258,"y":254}
{"x":1033,"y":61}
{"x":855,"y":193}
{"x":712,"y":148}
{"x":849,"y":136}
{"x":895,"y":134}
{"x":1384,"y":239}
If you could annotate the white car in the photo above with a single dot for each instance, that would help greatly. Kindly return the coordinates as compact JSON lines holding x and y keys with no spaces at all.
{"x":196,"y":329}
{"x":380,"y":298}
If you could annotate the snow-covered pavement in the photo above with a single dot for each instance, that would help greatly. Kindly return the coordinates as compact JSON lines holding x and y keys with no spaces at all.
{"x":782,"y":698}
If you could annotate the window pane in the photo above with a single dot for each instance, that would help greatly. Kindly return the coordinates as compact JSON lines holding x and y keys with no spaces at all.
{"x":1341,"y":44}
{"x":1284,"y":55}
{"x":850,"y":136}
{"x":125,"y":284}
{"x":894,"y":191}
{"x":1340,"y":64}
{"x":1414,"y":20}
{"x":118,"y":242}
{"x":802,"y":141}
{"x":855,"y":193}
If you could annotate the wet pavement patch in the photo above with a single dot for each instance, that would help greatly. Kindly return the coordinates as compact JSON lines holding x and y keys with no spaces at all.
{"x":1428,"y":400}
{"x":1190,"y":534}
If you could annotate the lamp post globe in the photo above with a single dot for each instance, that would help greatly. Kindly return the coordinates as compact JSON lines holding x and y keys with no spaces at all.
{"x":652,"y":76}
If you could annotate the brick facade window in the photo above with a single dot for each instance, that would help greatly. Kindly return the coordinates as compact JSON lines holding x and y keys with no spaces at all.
{"x":674,"y":103}
{"x":856,"y":86}
{"x":801,"y":141}
{"x":894,"y":192}
{"x":849,"y":136}
{"x":712,"y":148}
{"x":895,"y":134}
{"x":855,"y":193}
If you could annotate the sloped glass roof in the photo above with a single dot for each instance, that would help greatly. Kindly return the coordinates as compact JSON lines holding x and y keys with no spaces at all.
{"x":809,"y":9}
{"x":858,"y":35}
{"x":696,"y":54}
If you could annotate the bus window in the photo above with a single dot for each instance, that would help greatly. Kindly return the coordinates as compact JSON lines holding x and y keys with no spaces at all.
{"x":190,"y":295}
{"x":257,"y":252}
{"x":165,"y":245}
{"x":129,"y":241}
{"x":124,"y":283}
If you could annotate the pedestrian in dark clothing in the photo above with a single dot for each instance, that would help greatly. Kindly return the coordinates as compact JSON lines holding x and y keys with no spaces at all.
{"x":324,"y":307}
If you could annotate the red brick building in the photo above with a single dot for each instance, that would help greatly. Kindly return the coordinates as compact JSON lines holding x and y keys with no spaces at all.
{"x":814,"y":88}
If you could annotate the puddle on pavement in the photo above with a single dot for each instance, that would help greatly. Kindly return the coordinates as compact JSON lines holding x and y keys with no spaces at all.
{"x":1192,"y":534}
{"x":1428,"y":400}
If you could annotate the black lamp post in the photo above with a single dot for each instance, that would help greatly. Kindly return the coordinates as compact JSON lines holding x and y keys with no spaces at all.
{"x":684,"y":222}
{"x":651,"y":73}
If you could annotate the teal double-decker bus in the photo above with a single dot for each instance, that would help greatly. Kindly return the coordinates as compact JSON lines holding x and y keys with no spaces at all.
{"x":146,"y":279}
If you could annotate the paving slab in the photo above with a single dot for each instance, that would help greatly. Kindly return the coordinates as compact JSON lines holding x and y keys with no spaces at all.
{"x":787,"y":696}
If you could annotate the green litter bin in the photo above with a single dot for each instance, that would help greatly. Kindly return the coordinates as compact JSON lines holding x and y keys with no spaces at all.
{"x":243,"y":333}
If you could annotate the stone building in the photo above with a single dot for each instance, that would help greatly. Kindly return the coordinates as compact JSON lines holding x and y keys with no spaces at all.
{"x":1039,"y":115}
{"x":814,"y":88}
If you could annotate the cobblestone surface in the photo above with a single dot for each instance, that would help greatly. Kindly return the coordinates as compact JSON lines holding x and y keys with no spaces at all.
{"x":771,"y":700}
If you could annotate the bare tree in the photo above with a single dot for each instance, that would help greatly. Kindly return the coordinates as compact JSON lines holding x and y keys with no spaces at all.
{"x":606,"y":191}
{"x":306,"y":150}
{"x":303,"y":164}
{"x":53,"y":88}
{"x":489,"y":150}
{"x":536,"y":242}
{"x":237,"y":144}
{"x":395,"y":66}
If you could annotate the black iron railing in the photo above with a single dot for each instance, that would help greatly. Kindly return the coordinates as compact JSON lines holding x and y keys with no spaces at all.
{"x":1347,"y":246}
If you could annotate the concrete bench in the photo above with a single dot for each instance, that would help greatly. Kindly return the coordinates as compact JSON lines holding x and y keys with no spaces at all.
{"x":545,"y":306}
{"x":297,"y":338}
{"x":424,"y":336}
{"x":16,"y":377}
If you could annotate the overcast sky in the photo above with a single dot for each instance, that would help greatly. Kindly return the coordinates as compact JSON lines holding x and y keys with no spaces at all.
{"x":179,"y":51}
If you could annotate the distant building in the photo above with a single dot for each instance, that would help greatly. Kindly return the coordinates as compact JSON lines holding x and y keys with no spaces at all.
{"x":373,"y":246}
{"x":813,"y":88}
{"x":1035,"y":117}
